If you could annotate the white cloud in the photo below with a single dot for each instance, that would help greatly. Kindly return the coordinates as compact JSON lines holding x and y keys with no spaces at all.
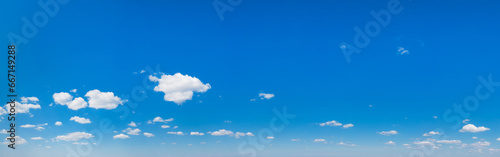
{"x":402,"y":51}
{"x":295,"y":140}
{"x":131,"y":131}
{"x":473,"y":128}
{"x":347,"y":126}
{"x":165,"y":126}
{"x":80,"y":120}
{"x":429,"y":143}
{"x":38,"y":127}
{"x":222,"y":132}
{"x":72,"y":91}
{"x":449,"y":141}
{"x":390,"y":143}
{"x":24,"y":106}
{"x":319,"y":140}
{"x":75,"y":136}
{"x":431,"y":133}
{"x":197,"y":133}
{"x":28,"y":99}
{"x":270,"y":137}
{"x":19,"y":140}
{"x":147,"y":134}
{"x":474,"y":138}
{"x":2,"y":111}
{"x":465,"y":121}
{"x":132,"y":124}
{"x":330,"y":123}
{"x":266,"y":96}
{"x":58,"y":123}
{"x":178,"y":88}
{"x":103,"y":100}
{"x":175,"y":133}
{"x":121,"y":136}
{"x":345,"y":144}
{"x":64,"y":98}
{"x":240,"y":134}
{"x":28,"y":126}
{"x":481,"y":144}
{"x":388,"y":133}
{"x":80,"y":143}
{"x":159,"y":119}
{"x":78,"y":103}
{"x":36,"y":138}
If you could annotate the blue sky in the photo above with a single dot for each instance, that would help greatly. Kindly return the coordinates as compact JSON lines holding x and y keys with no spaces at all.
{"x":134,"y":61}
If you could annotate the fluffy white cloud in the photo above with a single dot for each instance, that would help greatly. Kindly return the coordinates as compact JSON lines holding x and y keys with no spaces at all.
{"x":319,"y":140}
{"x":178,"y":88}
{"x":175,"y":133}
{"x":75,"y":136}
{"x":481,"y":144}
{"x":103,"y":100}
{"x":58,"y":123}
{"x":449,"y":141}
{"x":165,"y":126}
{"x":388,"y":133}
{"x":131,"y":131}
{"x":38,"y":127}
{"x":28,"y":99}
{"x":28,"y":126}
{"x":36,"y":138}
{"x":19,"y":140}
{"x":24,"y":106}
{"x":64,"y":98}
{"x":159,"y":119}
{"x":2,"y":111}
{"x":348,"y":126}
{"x":197,"y":133}
{"x":72,"y":91}
{"x":431,"y":133}
{"x":147,"y":134}
{"x":390,"y":143}
{"x":427,"y":142}
{"x":132,"y":124}
{"x":330,"y":123}
{"x":80,"y":120}
{"x":498,"y":139}
{"x":473,"y":128}
{"x":121,"y":136}
{"x":266,"y":96}
{"x":240,"y":134}
{"x":76,"y":104}
{"x":222,"y":132}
